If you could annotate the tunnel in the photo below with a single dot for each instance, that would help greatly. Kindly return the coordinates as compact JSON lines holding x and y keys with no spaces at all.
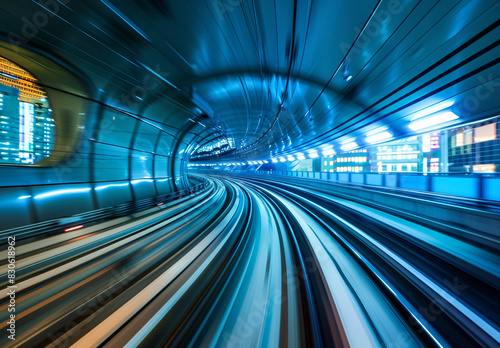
{"x":236,"y":173}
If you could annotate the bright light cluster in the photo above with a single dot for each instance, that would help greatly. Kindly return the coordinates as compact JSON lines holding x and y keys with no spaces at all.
{"x":429,"y":118}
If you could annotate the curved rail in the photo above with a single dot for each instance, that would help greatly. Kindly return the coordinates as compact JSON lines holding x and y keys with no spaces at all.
{"x":254,"y":263}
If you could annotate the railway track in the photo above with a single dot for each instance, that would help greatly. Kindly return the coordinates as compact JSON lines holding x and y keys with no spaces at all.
{"x":251,"y":263}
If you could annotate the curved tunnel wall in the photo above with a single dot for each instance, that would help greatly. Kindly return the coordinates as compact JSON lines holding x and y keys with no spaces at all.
{"x":103,"y":156}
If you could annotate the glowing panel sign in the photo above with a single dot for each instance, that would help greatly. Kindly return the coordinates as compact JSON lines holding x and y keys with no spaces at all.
{"x":26,"y":115}
{"x":485,"y":133}
{"x":483,"y":168}
{"x":435,"y":141}
{"x":460,"y":139}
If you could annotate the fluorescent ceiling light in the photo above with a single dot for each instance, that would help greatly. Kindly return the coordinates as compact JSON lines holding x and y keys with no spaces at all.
{"x":300,"y":156}
{"x":433,"y":120}
{"x":329,"y":152}
{"x":282,"y":159}
{"x":266,"y":162}
{"x":349,"y":146}
{"x":379,"y":137}
{"x":275,"y":160}
{"x":260,"y":162}
{"x":313,"y":155}
{"x":433,"y":109}
{"x":376,"y":130}
{"x":291,"y":158}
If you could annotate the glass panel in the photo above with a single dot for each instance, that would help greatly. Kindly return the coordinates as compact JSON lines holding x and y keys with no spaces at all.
{"x":26,"y":123}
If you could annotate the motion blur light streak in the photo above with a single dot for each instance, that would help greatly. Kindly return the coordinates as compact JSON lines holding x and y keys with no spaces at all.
{"x":242,"y":173}
{"x":61,"y":192}
{"x":207,"y":254}
{"x":73,"y":228}
{"x":111,"y":185}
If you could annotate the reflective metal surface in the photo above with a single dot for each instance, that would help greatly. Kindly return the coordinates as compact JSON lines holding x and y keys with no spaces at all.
{"x":119,"y":247}
{"x":272,"y":75}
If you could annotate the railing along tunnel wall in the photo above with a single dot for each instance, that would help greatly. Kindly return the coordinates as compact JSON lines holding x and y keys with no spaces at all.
{"x":432,"y":205}
{"x":480,"y":186}
{"x":477,"y":186}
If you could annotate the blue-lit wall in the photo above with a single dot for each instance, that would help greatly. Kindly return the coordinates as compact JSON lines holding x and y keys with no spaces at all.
{"x":105,"y":154}
{"x":118,"y":159}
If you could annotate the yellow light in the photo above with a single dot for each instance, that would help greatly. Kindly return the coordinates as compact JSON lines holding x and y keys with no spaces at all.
{"x":484,"y":168}
{"x":26,"y":83}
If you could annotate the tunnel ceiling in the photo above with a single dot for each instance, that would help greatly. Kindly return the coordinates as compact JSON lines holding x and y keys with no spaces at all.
{"x":274,"y":77}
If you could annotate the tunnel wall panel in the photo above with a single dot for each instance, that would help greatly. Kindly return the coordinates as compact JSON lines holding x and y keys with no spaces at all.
{"x":343,"y":177}
{"x":74,"y":169}
{"x":164,"y":186}
{"x":143,"y":188}
{"x":111,"y":163}
{"x":142,"y":165}
{"x":116,"y":128}
{"x":391,"y":180}
{"x":460,"y":186}
{"x":145,"y":137}
{"x":374,"y":179}
{"x":164,"y":146}
{"x":161,"y":166}
{"x":413,"y":182}
{"x":14,"y":207}
{"x":112,"y":193}
{"x":109,"y":150}
{"x":23,"y":176}
{"x":357,"y":178}
{"x":491,"y":188}
{"x":63,"y":200}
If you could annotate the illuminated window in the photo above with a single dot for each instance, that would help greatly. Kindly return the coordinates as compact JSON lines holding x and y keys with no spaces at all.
{"x":23,"y":103}
{"x":485,"y":133}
